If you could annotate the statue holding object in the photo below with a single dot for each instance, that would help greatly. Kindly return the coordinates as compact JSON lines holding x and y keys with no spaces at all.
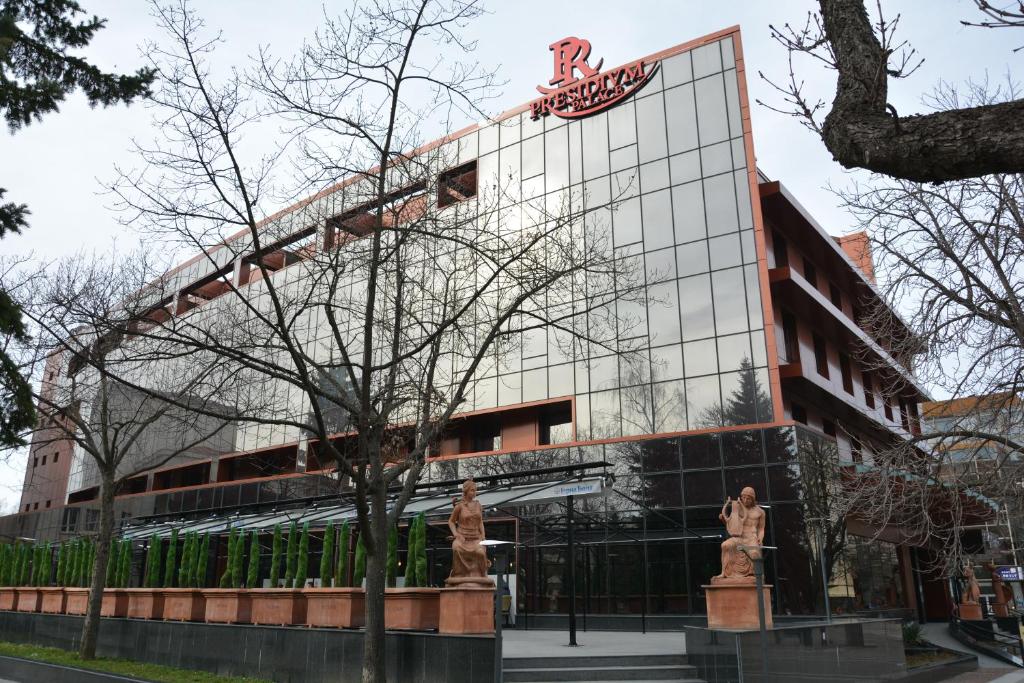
{"x":744,"y":521}
{"x":469,"y":558}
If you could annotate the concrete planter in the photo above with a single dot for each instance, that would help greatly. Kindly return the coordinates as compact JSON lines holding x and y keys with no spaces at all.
{"x":228,"y":605}
{"x":145,"y":603}
{"x":115,"y":603}
{"x":7,"y":598}
{"x":184,"y":604}
{"x":27,"y":599}
{"x":54,"y":600}
{"x":77,"y":600}
{"x":278,"y":606}
{"x":335,"y":607}
{"x":416,"y":609}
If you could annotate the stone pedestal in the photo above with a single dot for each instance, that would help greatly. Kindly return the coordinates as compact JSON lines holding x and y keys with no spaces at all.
{"x":1000,"y":609}
{"x":734,"y":606}
{"x":970,"y":611}
{"x":466,"y":609}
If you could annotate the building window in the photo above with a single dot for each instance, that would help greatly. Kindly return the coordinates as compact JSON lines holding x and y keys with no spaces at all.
{"x":35,"y":506}
{"x":835,"y":295}
{"x":47,"y":503}
{"x":35,"y":461}
{"x":780,"y":250}
{"x":55,"y":456}
{"x":456,"y":185}
{"x":810,"y":274}
{"x":28,"y":506}
{"x":904,"y":420}
{"x":844,"y":368}
{"x":887,"y":407}
{"x":869,"y":388}
{"x":856,"y":449}
{"x":820,"y":356}
{"x":789,"y":336}
{"x":799,"y":414}
{"x":44,"y":461}
{"x":828,"y":427}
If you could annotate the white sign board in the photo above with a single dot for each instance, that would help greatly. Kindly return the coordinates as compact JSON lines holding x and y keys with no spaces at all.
{"x":578,"y":488}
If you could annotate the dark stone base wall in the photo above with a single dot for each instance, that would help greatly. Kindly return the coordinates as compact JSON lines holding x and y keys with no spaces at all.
{"x":280,"y":654}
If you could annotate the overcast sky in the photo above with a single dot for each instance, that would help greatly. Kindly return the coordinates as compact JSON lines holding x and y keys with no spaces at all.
{"x":57,"y":166}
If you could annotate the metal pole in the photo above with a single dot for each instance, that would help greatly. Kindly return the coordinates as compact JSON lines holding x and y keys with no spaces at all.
{"x":759,"y":578}
{"x":572,"y":572}
{"x":501,"y":562}
{"x":824,"y":574}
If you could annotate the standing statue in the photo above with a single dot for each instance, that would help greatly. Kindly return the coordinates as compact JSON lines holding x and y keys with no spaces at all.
{"x":972,"y":592}
{"x":745,"y":525}
{"x":469,"y":558}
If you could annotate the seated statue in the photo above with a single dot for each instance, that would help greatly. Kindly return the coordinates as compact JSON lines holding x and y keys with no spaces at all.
{"x":745,"y":525}
{"x":469,"y":558}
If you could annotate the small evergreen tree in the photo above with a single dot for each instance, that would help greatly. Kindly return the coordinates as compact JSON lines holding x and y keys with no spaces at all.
{"x":203,"y":561}
{"x":392,"y":559}
{"x":360,"y":564}
{"x":275,"y":557}
{"x":171,"y":561}
{"x":125,"y":573}
{"x":302,"y":563}
{"x":90,"y":563}
{"x":327,"y":557}
{"x":341,"y":569}
{"x":253,"y":577}
{"x":60,"y":565}
{"x":185,"y":570}
{"x":421,"y":550}
{"x":292,"y":556}
{"x":410,"y":555}
{"x":153,"y":563}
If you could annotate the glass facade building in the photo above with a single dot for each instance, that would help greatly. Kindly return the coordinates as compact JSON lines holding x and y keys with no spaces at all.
{"x":698,"y":391}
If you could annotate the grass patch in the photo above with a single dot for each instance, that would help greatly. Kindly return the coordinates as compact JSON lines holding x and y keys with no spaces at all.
{"x":123,"y":667}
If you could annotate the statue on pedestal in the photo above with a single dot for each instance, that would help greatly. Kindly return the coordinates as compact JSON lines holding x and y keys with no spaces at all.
{"x":744,"y":521}
{"x":469,"y":558}
{"x":972,"y":591}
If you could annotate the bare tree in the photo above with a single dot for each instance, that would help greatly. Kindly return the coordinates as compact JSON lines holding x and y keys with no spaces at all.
{"x":125,"y":404}
{"x":951,"y":260}
{"x":862,"y":129}
{"x":404,"y":288}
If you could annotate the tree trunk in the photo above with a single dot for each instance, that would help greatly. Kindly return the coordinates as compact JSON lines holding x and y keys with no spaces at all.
{"x":91,"y":627}
{"x":376,"y":578}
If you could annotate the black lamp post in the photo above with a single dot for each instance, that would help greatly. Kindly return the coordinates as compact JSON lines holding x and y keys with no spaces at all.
{"x":758,"y":563}
{"x":501,"y":549}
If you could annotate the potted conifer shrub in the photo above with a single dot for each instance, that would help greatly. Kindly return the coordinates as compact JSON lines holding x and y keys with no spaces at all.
{"x":7,"y":555}
{"x":54,"y":598}
{"x":335,"y":603}
{"x":285,"y":605}
{"x":181,"y":603}
{"x":148,"y":602}
{"x":75,"y":587}
{"x":231,"y":603}
{"x":27,"y":595}
{"x":115,"y":598}
{"x":414,"y":607}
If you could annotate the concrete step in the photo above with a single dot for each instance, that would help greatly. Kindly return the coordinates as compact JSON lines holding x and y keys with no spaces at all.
{"x":662,"y":668}
{"x":659,"y":674}
{"x":596,"y":660}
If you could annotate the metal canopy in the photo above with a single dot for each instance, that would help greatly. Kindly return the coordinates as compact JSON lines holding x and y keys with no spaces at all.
{"x":318,"y":515}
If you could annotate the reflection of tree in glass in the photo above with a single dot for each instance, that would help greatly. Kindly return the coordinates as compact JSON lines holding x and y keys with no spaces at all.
{"x":748,"y":404}
{"x":817,"y":477}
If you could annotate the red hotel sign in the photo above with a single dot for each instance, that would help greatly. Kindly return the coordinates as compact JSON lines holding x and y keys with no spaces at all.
{"x":594,"y":91}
